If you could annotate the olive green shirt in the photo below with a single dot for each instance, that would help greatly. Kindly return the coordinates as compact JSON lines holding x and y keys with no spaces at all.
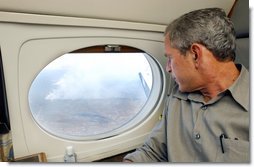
{"x":192,"y":130}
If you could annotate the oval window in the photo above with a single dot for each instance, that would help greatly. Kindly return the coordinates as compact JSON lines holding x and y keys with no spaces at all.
{"x":81,"y":95}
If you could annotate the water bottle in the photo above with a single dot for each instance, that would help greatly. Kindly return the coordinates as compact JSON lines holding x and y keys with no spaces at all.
{"x":70,"y":155}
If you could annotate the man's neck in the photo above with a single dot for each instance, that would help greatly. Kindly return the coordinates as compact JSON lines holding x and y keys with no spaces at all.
{"x":220,"y":81}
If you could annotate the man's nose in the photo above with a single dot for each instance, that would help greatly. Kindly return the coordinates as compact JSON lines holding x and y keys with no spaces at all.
{"x":168,"y":67}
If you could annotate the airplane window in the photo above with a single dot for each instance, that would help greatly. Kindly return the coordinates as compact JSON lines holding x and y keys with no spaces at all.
{"x":87,"y":94}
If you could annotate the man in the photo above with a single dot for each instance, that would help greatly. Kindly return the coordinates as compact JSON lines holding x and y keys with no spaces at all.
{"x":207,"y":114}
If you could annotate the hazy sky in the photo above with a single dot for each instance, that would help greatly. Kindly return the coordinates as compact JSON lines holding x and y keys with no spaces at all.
{"x":98,"y":75}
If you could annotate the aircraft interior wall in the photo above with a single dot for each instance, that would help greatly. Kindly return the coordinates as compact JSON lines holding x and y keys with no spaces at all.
{"x":33,"y":36}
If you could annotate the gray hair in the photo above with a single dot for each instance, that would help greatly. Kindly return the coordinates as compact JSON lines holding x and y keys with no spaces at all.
{"x":210,"y":27}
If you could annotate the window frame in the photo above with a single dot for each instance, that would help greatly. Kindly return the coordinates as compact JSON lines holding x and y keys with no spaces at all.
{"x":144,"y":112}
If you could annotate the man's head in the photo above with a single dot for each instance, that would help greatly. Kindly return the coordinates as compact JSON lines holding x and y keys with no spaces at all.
{"x":196,"y":45}
{"x":210,"y":27}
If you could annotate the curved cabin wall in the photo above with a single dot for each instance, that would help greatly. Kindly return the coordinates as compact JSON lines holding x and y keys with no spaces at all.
{"x":29,"y":48}
{"x":159,"y":12}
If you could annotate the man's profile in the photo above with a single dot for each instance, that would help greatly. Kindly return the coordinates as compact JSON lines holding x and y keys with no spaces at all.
{"x":206,"y":118}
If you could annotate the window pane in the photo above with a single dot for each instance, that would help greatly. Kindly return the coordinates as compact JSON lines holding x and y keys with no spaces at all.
{"x":85,"y":94}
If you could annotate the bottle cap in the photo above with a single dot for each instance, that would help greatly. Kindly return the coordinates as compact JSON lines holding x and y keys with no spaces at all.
{"x":69,"y":150}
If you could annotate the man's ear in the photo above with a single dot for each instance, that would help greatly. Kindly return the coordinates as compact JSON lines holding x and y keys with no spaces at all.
{"x":196,"y":52}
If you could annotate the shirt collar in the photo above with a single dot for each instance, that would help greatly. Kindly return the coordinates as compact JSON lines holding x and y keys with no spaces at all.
{"x":239,"y":90}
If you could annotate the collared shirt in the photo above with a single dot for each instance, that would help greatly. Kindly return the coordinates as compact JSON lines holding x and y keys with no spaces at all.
{"x":194,"y":131}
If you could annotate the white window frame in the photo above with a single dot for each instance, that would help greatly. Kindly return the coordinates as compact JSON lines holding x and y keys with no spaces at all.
{"x":145,"y":111}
